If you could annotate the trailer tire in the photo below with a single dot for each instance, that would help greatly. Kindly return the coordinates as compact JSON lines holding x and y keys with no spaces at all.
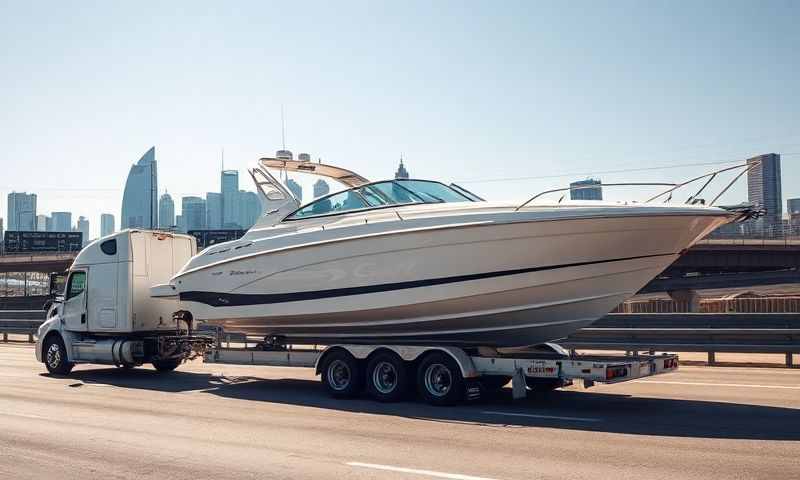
{"x":439,"y":380}
{"x":342,"y":374}
{"x":387,"y":377}
{"x":55,"y":356}
{"x":164,"y":366}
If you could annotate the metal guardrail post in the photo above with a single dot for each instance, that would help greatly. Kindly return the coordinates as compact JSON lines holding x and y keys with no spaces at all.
{"x":30,"y":338}
{"x":711,"y":358}
{"x":789,"y":360}
{"x":5,"y":337}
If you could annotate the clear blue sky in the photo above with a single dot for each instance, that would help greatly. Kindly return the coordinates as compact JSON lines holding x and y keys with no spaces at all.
{"x":466,"y":90}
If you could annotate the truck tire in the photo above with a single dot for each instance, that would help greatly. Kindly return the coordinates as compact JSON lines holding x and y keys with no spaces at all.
{"x":55,"y":356}
{"x":342,"y":374}
{"x":166,"y":365}
{"x":387,"y":377}
{"x":439,"y":380}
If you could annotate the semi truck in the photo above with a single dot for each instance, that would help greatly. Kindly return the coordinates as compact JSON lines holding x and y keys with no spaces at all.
{"x":112,"y":313}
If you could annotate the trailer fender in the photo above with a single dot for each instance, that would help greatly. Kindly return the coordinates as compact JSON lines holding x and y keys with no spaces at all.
{"x":407,"y":353}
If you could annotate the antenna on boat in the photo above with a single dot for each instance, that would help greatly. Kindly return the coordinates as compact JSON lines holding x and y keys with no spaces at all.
{"x":283,"y":129}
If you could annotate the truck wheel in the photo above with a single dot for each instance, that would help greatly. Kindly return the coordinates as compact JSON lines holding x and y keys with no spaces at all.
{"x":387,"y":377}
{"x":342,"y":374}
{"x":55,"y":356}
{"x":166,"y":365}
{"x":439,"y":380}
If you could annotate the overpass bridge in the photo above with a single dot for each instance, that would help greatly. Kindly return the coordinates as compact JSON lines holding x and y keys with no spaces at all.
{"x":711,"y":264}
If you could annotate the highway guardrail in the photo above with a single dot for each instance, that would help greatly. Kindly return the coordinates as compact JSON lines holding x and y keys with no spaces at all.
{"x":631,"y":332}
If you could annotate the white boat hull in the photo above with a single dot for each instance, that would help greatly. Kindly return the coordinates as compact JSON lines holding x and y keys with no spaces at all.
{"x":472,"y":281}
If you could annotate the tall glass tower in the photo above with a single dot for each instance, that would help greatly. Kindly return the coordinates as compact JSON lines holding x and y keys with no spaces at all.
{"x":140,"y":200}
{"x":166,"y":211}
{"x":229,"y":180}
{"x":764,"y":188}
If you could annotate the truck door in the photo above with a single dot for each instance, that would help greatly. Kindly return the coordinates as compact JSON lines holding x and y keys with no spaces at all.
{"x":75,"y":302}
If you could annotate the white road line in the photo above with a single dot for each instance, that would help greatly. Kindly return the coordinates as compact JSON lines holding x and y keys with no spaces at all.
{"x":546,"y":417}
{"x":705,"y":384}
{"x":429,"y":473}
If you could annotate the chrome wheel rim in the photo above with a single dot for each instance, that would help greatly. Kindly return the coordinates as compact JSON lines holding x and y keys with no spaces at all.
{"x":384,"y":377}
{"x":339,"y":375}
{"x":53,"y":356}
{"x":438,"y":379}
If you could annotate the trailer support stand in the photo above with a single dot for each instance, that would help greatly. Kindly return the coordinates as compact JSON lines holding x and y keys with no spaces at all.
{"x":518,"y":385}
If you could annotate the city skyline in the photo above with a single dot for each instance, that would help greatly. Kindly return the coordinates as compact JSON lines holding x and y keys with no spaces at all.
{"x":680,"y":84}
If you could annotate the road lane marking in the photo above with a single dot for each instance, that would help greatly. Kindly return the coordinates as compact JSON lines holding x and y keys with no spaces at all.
{"x":705,"y":384}
{"x":429,"y":473}
{"x":545,"y":417}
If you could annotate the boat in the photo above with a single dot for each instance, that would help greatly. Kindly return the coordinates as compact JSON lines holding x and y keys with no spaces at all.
{"x":409,"y":261}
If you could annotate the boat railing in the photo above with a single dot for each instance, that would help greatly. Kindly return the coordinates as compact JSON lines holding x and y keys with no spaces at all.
{"x":668,"y":193}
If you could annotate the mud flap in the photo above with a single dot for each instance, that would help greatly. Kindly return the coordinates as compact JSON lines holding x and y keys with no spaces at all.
{"x":519,"y":388}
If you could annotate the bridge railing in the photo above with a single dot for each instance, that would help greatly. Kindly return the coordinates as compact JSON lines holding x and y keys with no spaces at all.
{"x":653,"y":332}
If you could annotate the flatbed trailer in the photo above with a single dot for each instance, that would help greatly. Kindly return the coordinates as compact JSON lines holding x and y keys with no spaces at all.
{"x":442,"y":375}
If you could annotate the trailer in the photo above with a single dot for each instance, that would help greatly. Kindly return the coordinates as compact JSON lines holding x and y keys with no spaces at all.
{"x":110,"y":315}
{"x":439,"y":374}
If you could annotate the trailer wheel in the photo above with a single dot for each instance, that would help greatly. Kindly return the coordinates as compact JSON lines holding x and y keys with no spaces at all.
{"x":55,"y":356}
{"x":387,"y":377}
{"x":439,"y":380}
{"x":342,"y":374}
{"x":166,"y":365}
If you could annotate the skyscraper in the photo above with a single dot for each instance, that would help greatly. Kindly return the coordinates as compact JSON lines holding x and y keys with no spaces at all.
{"x":587,"y":190}
{"x":140,"y":201}
{"x":83,"y":227}
{"x":295,"y":188}
{"x":764,"y":188}
{"x":401,"y":170}
{"x":62,"y":222}
{"x":193,"y":213}
{"x":166,"y":211}
{"x":229,"y":186}
{"x":250,"y":209}
{"x":2,"y":236}
{"x":321,"y":188}
{"x":41,"y":223}
{"x":107,"y":226}
{"x":213,"y":210}
{"x":21,"y":211}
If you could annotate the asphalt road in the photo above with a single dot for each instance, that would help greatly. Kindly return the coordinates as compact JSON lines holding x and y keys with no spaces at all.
{"x":212,"y":421}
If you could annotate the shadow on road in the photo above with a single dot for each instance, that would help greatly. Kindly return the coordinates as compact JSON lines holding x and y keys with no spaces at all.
{"x":579,"y":410}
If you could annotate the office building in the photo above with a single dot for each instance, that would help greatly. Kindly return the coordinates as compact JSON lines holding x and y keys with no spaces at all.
{"x":180,"y":225}
{"x":2,"y":235}
{"x":166,"y":212}
{"x":193,"y":213}
{"x":107,"y":226}
{"x":764,"y":188}
{"x":83,"y":227}
{"x":21,"y":211}
{"x":41,"y":222}
{"x":61,"y":222}
{"x":295,"y":188}
{"x":140,"y":202}
{"x":213,"y":211}
{"x":588,"y":189}
{"x":401,"y":170}
{"x":321,"y":188}
{"x":229,"y":187}
{"x":793,"y":208}
{"x":250,"y":207}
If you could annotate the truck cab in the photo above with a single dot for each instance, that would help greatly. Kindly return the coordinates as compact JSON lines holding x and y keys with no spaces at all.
{"x":107,"y":315}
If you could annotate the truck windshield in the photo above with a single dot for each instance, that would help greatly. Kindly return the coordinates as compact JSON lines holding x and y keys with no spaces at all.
{"x":380,"y":194}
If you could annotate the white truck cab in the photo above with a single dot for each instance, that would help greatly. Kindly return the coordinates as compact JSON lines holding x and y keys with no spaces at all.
{"x":107,"y":314}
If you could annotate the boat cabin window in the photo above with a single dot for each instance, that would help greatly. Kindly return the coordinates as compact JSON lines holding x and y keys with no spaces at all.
{"x":380,"y":194}
{"x":77,"y":283}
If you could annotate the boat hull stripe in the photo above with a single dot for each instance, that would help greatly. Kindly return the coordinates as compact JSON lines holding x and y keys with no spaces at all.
{"x":217,"y":299}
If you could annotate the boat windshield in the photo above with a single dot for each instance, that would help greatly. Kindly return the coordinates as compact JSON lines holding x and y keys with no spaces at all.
{"x":381,"y":194}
